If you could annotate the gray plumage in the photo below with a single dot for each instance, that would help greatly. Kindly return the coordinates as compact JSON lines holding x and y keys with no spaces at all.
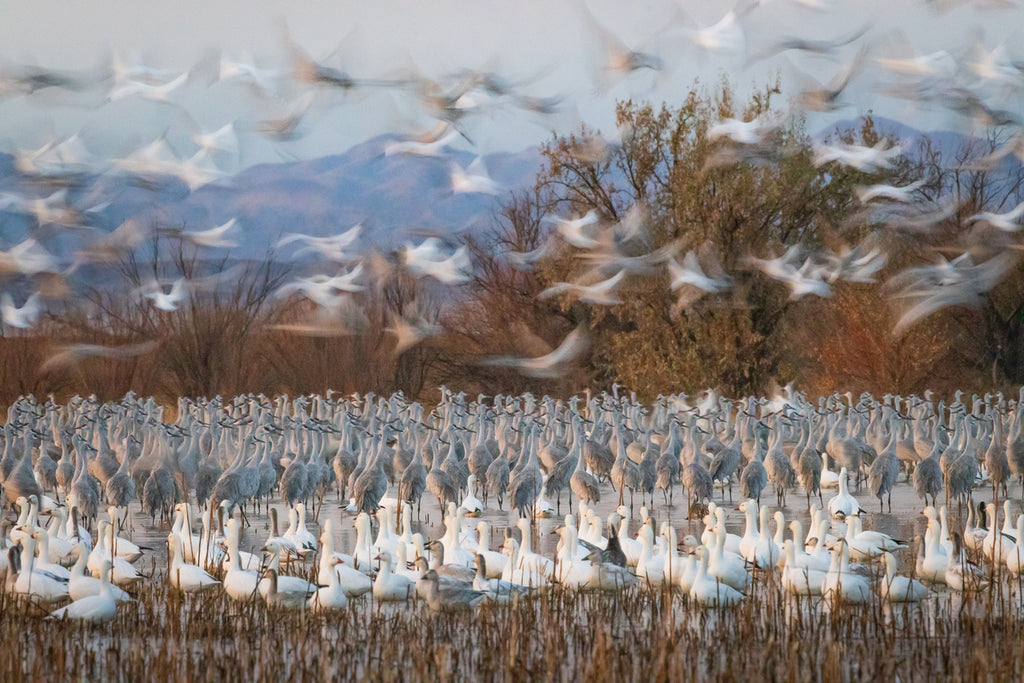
{"x":46,"y":471}
{"x":753,"y":479}
{"x":667,"y":474}
{"x":371,"y":485}
{"x":343,"y":464}
{"x":120,"y":488}
{"x":206,"y":478}
{"x":497,"y":479}
{"x":724,"y":465}
{"x":928,"y":477}
{"x":413,"y":481}
{"x":294,"y":482}
{"x":448,"y":597}
{"x":808,"y":472}
{"x":882,"y":477}
{"x":599,"y":458}
{"x":21,"y":481}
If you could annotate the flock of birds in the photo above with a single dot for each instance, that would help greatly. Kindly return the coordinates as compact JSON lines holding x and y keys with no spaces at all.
{"x":54,"y":194}
{"x":219,"y":458}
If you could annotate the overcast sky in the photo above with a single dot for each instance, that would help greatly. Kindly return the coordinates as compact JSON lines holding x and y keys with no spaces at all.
{"x":549,"y":44}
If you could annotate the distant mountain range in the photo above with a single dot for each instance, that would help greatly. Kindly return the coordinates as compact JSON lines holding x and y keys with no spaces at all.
{"x":396,"y":198}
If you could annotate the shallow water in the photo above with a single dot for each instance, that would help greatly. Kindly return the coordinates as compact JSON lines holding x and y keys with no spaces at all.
{"x":904,"y":522}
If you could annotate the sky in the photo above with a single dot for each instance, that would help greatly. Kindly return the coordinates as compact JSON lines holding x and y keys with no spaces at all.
{"x":549,"y":48}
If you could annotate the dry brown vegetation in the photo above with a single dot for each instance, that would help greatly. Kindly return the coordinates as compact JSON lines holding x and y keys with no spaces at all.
{"x":238,"y":336}
{"x":557,"y":635}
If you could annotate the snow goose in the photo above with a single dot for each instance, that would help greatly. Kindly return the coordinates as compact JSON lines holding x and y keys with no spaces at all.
{"x":796,"y":579}
{"x":275,"y":598}
{"x":895,"y":588}
{"x":867,"y":545}
{"x":496,"y":590}
{"x":188,"y":578}
{"x":471,"y":505}
{"x":931,"y":561}
{"x":709,"y":591}
{"x":649,"y":567}
{"x":240,"y":580}
{"x":81,"y":585}
{"x":388,"y":586}
{"x":1015,"y":559}
{"x":123,"y":573}
{"x":493,"y":561}
{"x":294,"y":589}
{"x":36,"y":584}
{"x":94,"y":609}
{"x":818,"y":561}
{"x":297,"y":533}
{"x":332,"y":596}
{"x":42,"y":561}
{"x":996,"y":546}
{"x":843,"y":504}
{"x":840,"y":584}
{"x":962,"y":574}
{"x":727,"y":567}
{"x":352,"y":581}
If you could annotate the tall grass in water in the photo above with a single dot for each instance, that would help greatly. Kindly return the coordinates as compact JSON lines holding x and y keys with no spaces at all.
{"x":557,"y":635}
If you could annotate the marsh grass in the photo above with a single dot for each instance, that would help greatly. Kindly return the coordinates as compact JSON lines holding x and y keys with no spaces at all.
{"x":639,"y":634}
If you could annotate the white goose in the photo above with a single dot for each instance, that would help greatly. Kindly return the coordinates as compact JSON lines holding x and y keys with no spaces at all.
{"x":866,"y":545}
{"x":188,"y":578}
{"x":43,"y":562}
{"x":709,"y":591}
{"x":796,"y":579}
{"x":727,"y":567}
{"x":828,"y":478}
{"x":496,"y":590}
{"x":748,"y":542}
{"x":493,"y":561}
{"x":630,"y":546}
{"x":471,"y":505}
{"x":352,"y":581}
{"x":94,"y":609}
{"x":1015,"y":559}
{"x":818,"y":561}
{"x":123,"y":548}
{"x":240,"y":581}
{"x":843,"y":504}
{"x":391,"y":587}
{"x":973,"y":536}
{"x":650,"y":567}
{"x":290,"y":591}
{"x":962,"y":574}
{"x":330,"y":597}
{"x":840,"y":584}
{"x":82,"y":585}
{"x":297,"y":533}
{"x":996,"y":546}
{"x":61,"y":550}
{"x":895,"y":588}
{"x":122,"y":573}
{"x":529,"y":561}
{"x":931,"y":561}
{"x":39,"y":585}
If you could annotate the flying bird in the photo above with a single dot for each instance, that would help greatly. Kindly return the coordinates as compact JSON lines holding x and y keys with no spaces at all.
{"x":23,"y":318}
{"x":599,"y":293}
{"x":212,"y":238}
{"x":1007,"y":222}
{"x":548,"y":365}
{"x":73,"y":354}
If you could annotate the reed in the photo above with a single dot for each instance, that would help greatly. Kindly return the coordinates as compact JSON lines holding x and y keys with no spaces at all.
{"x":639,"y":634}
